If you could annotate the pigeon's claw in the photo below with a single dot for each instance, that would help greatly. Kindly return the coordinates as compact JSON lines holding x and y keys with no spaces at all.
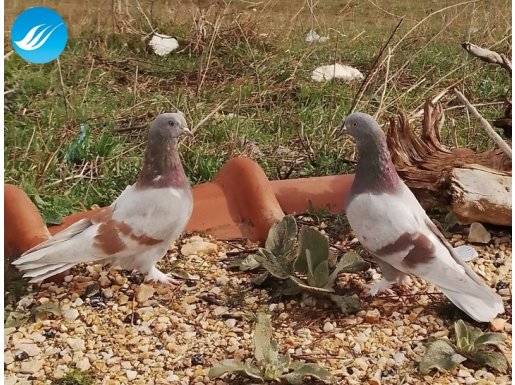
{"x":157,"y":275}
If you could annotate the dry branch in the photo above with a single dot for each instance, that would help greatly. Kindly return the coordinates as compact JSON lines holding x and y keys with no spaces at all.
{"x":481,"y":195}
{"x":488,"y":128}
{"x":487,"y":55}
{"x":425,"y":164}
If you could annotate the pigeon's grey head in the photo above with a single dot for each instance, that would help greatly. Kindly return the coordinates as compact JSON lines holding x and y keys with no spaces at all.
{"x":363,"y":128}
{"x":168,"y":126}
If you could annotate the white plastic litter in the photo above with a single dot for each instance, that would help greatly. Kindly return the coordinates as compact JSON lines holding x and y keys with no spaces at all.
{"x":336,"y":71}
{"x":314,"y":37}
{"x":163,"y":44}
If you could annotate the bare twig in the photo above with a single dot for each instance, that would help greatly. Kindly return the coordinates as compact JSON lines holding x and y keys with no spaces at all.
{"x":488,"y":56}
{"x":87,"y":81}
{"x":488,"y":128}
{"x":378,"y":112}
{"x":208,"y":116}
{"x":66,"y":103}
{"x":372,"y":71}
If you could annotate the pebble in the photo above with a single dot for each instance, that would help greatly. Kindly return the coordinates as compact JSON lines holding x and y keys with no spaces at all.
{"x":32,"y":350}
{"x":399,"y":358}
{"x":328,"y":327}
{"x":8,"y":357}
{"x":197,"y":246}
{"x":372,"y":316}
{"x":497,"y":325}
{"x":104,"y":281}
{"x":478,"y":233}
{"x":131,"y":374}
{"x":144,"y":293}
{"x":31,"y":366}
{"x":83,"y":364}
{"x":76,"y":344}
{"x":71,"y":314}
{"x":230,"y":322}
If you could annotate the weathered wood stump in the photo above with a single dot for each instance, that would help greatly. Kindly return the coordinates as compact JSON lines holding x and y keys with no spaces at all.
{"x":426,"y":165}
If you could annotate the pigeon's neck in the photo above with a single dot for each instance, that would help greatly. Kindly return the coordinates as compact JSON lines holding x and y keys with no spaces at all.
{"x":375,"y":172}
{"x":162,"y":166}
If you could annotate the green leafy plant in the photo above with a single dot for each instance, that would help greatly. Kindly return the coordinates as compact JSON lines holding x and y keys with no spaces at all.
{"x":287,"y":259}
{"x":268,"y":363}
{"x":470,"y":344}
{"x":75,"y":377}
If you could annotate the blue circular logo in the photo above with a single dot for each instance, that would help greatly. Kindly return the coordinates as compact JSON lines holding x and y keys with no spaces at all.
{"x":39,"y":35}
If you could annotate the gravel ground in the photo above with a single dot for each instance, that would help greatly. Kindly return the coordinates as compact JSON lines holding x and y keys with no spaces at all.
{"x":122,"y":331}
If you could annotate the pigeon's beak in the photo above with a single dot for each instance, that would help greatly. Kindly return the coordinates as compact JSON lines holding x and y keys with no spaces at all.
{"x":343,"y":129}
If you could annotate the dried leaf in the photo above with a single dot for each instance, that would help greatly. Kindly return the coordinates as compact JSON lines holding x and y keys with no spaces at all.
{"x":281,"y":239}
{"x":440,"y":355}
{"x":492,"y":359}
{"x":234,"y":366}
{"x":302,"y":370}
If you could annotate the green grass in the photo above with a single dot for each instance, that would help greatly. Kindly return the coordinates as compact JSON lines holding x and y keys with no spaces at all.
{"x":259,"y":64}
{"x":75,"y":377}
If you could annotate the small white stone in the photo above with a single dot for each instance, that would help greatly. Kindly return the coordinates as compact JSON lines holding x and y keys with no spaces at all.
{"x":31,"y":349}
{"x":197,"y":246}
{"x":470,"y":380}
{"x":328,"y":327}
{"x":230,"y":322}
{"x":463,"y":373}
{"x":78,"y":302}
{"x":8,"y":357}
{"x":399,"y":358}
{"x":478,"y":233}
{"x":131,"y":374}
{"x":68,"y":278}
{"x":76,"y":344}
{"x":126,"y":365}
{"x":71,"y":314}
{"x":83,"y":364}
{"x":31,"y":366}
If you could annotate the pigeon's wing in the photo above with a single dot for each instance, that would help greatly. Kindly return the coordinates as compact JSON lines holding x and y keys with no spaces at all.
{"x":107,"y":236}
{"x":439,"y":263}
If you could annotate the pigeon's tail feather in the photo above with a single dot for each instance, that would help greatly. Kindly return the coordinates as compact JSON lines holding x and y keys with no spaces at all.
{"x":481,"y":304}
{"x":40,"y":274}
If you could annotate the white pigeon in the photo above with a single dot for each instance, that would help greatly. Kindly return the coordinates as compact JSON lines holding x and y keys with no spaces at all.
{"x":137,"y":229}
{"x":390,"y":223}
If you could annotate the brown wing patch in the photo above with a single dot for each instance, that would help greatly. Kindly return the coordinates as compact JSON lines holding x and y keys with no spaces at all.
{"x":421,"y":249}
{"x":108,"y":238}
{"x":422,"y":252}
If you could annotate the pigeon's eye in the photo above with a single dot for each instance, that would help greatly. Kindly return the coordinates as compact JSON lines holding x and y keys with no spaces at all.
{"x":171,"y":123}
{"x":354,"y":124}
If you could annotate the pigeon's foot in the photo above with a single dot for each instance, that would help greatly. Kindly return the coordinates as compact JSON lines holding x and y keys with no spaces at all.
{"x":379,"y":286}
{"x":157,"y":275}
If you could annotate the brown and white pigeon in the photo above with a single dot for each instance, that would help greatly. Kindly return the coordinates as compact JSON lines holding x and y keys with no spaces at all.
{"x":390,"y":223}
{"x":136,"y":230}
